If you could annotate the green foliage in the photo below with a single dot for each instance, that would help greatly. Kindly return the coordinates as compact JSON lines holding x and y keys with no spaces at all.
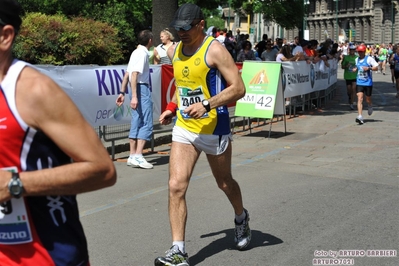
{"x":51,"y":7}
{"x":129,"y":17}
{"x":58,"y":40}
{"x":117,"y":23}
{"x":116,"y":14}
{"x":216,"y":22}
{"x":287,"y":13}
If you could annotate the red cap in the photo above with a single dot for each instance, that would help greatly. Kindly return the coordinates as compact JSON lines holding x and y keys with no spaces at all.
{"x":361,"y":48}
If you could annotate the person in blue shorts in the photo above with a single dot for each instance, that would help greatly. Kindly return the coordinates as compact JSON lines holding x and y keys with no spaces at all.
{"x":365,"y":65}
{"x":138,"y":75}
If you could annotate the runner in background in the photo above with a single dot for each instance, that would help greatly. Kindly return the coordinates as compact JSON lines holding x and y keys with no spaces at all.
{"x":348,"y":64}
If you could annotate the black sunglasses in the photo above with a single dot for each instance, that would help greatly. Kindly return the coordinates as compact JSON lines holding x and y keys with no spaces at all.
{"x":187,"y":27}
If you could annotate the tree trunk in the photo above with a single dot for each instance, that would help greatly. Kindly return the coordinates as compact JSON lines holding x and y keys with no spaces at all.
{"x":163,"y":12}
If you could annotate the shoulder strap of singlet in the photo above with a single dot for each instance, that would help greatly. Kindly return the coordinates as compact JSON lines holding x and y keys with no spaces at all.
{"x":13,"y":73}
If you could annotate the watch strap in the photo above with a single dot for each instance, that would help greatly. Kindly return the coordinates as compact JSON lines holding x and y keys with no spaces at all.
{"x":206,"y":106}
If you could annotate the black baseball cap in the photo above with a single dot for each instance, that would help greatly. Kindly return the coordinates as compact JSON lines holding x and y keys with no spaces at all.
{"x":185,"y":15}
{"x":10,"y":11}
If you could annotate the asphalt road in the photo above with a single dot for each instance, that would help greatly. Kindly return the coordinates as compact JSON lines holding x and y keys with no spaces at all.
{"x":327,"y":192}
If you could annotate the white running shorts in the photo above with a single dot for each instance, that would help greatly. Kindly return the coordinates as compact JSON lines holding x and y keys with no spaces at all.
{"x":210,"y":144}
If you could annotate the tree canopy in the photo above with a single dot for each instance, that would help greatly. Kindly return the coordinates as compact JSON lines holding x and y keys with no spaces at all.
{"x":127,"y":17}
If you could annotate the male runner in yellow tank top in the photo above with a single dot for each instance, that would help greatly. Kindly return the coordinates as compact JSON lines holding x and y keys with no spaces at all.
{"x":202,"y":70}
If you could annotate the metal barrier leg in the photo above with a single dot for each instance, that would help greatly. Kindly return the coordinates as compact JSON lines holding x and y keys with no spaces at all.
{"x":152,"y":142}
{"x":113,"y":150}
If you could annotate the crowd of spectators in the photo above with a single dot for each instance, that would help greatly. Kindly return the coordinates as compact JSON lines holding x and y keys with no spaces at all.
{"x":311,"y":51}
{"x":280,"y":49}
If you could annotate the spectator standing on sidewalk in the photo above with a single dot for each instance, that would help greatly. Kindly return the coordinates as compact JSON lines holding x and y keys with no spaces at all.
{"x":269,"y":54}
{"x":261,"y":46}
{"x":246,"y":52}
{"x":160,"y":52}
{"x":365,"y":65}
{"x":230,"y":44}
{"x":203,"y":90}
{"x":222,"y":36}
{"x":296,"y":46}
{"x":348,"y":64}
{"x":138,"y":75}
{"x":48,"y":155}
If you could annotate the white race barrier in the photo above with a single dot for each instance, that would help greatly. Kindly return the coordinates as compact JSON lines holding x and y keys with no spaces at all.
{"x":300,"y":78}
{"x":94,"y":89}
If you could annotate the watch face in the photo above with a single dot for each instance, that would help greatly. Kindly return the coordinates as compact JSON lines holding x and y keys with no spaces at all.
{"x":15,"y":187}
{"x":205,"y":102}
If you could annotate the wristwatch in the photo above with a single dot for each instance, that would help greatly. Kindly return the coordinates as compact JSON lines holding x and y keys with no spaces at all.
{"x":15,"y":186}
{"x":206,"y":105}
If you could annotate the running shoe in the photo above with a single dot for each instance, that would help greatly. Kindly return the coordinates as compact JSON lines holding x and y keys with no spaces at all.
{"x":132,"y":162}
{"x":242,"y":232}
{"x":142,"y":163}
{"x":370,"y":110}
{"x":359,"y":119}
{"x":173,"y":257}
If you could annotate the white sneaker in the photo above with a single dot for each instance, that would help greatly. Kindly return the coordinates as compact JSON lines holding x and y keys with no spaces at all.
{"x":359,"y":119}
{"x":132,"y":162}
{"x":142,"y":163}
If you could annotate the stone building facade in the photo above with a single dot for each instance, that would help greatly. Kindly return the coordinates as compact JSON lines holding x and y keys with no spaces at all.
{"x":369,"y":21}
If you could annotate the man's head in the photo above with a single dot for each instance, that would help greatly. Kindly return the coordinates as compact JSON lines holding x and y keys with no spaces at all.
{"x":304,"y":43}
{"x":361,"y":50}
{"x":10,"y":11}
{"x":313,"y":43}
{"x":279,"y":42}
{"x":269,"y":45}
{"x":145,"y":38}
{"x":186,"y":17}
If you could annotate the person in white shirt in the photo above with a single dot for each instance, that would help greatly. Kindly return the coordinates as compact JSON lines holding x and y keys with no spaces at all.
{"x":138,"y":75}
{"x":160,"y":55}
{"x":297,"y":48}
{"x":221,"y":36}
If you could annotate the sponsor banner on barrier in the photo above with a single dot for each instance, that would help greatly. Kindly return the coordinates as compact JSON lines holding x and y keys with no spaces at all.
{"x":261,"y":81}
{"x":300,"y":78}
{"x":94,"y":89}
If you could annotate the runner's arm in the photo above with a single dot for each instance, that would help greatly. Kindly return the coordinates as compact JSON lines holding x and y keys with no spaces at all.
{"x":58,"y":117}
